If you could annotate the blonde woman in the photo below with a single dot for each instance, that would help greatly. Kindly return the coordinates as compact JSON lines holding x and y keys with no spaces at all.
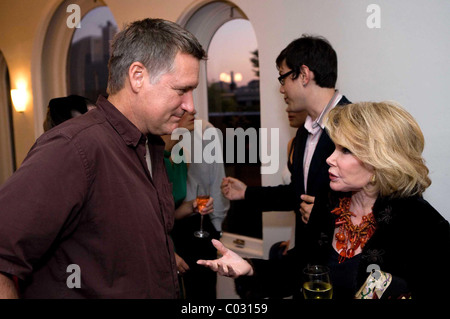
{"x":375,"y":219}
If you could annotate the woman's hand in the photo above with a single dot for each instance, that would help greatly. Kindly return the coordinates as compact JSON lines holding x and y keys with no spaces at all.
{"x":229,"y":265}
{"x":189,"y":207}
{"x":208,"y":209}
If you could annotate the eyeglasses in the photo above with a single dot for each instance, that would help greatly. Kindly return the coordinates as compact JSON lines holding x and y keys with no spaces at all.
{"x":284,"y":76}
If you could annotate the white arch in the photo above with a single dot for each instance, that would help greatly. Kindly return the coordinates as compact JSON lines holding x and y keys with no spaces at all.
{"x":7,"y":163}
{"x":203,"y":19}
{"x":49,"y":64}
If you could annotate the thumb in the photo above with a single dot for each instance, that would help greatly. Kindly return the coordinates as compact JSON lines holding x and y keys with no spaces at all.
{"x":219,"y":246}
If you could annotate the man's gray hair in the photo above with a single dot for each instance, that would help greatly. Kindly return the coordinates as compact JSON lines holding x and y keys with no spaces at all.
{"x":154,"y":43}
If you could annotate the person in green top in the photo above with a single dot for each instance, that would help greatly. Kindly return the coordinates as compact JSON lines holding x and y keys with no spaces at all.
{"x":177,"y":173}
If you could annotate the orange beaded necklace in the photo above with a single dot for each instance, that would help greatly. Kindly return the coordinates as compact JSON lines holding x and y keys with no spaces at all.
{"x":349,"y":237}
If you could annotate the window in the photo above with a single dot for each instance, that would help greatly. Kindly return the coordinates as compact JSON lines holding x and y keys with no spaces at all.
{"x":233,"y":90}
{"x":89,"y":54}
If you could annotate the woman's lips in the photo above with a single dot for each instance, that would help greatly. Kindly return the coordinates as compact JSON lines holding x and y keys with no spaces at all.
{"x":332,"y":176}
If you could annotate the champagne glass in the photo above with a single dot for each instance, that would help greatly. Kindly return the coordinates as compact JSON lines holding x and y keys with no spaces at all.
{"x":317,"y":283}
{"x":202,"y":200}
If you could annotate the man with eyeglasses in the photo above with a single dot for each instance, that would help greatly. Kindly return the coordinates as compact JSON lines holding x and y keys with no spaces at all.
{"x":308,"y":74}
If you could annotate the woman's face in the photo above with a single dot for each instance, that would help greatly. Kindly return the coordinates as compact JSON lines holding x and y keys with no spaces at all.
{"x":347,"y":172}
{"x":187,"y":120}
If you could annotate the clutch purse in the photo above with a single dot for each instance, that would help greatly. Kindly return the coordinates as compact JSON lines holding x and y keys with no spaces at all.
{"x":375,"y":285}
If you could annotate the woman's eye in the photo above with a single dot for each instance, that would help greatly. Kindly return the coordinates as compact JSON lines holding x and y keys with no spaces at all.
{"x":346,"y":150}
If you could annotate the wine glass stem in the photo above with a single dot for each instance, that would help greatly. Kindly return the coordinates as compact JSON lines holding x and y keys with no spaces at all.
{"x":201,"y":222}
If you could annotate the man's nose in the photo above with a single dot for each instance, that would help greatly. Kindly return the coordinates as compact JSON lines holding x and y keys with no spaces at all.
{"x":188,"y":103}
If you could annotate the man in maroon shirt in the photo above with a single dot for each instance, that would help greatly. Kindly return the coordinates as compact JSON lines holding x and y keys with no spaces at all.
{"x":88,"y":213}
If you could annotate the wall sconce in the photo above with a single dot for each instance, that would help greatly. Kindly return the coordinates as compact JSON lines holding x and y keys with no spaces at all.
{"x":19,"y":98}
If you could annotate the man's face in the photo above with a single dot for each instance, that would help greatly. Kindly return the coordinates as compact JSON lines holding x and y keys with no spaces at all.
{"x":292,"y":90}
{"x":161,"y":105}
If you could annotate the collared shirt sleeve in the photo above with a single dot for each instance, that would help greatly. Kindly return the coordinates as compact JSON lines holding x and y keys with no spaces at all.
{"x":39,"y":203}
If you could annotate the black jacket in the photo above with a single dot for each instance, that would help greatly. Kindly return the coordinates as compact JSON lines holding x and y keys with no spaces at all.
{"x":287,"y":197}
{"x":411,"y":242}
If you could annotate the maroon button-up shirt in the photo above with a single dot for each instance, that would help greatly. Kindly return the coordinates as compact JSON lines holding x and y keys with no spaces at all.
{"x":84,"y":196}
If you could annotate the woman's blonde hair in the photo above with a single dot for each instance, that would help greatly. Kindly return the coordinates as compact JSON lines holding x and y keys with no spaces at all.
{"x":387,"y":138}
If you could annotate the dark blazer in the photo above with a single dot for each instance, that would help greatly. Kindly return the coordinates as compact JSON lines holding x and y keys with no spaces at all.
{"x":287,"y":197}
{"x":411,"y":242}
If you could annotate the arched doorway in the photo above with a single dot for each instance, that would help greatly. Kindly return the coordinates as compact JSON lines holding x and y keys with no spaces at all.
{"x":205,"y":20}
{"x":53,"y":66}
{"x":7,"y":149}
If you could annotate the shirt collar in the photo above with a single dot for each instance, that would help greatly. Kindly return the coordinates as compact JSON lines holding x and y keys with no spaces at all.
{"x":127,"y":130}
{"x":313,"y":126}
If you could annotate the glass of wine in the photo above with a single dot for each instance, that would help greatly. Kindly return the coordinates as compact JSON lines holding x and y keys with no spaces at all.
{"x":202,"y":200}
{"x":317,"y":283}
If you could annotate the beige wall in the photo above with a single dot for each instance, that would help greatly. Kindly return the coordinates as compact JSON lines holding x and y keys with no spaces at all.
{"x":20,"y":22}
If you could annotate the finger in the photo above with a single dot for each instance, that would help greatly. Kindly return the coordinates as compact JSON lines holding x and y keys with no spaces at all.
{"x":195,"y":206}
{"x":206,"y":211}
{"x":220,"y":270}
{"x":201,"y":262}
{"x":231,"y":272}
{"x":208,"y":264}
{"x":284,"y":244}
{"x":307,"y":198}
{"x":305,"y":219}
{"x":225,"y":189}
{"x":225,"y":181}
{"x":302,"y":211}
{"x":303,"y":206}
{"x":225,"y":270}
{"x":219,"y":246}
{"x":209,"y":204}
{"x":185,"y":267}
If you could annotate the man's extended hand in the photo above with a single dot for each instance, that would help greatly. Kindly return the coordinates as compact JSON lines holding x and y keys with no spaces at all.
{"x":233,"y":189}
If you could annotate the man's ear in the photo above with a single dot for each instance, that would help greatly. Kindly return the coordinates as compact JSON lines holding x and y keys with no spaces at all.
{"x":136,"y":73}
{"x":306,"y":75}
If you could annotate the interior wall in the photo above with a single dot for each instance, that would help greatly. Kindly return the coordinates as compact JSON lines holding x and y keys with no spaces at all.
{"x":406,"y":59}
